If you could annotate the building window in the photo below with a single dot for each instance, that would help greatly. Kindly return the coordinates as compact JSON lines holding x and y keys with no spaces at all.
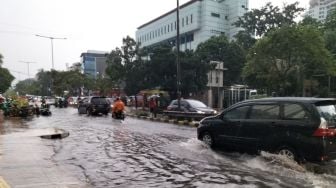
{"x":191,"y":19}
{"x":171,"y":26}
{"x":182,"y":22}
{"x":175,"y":25}
{"x":168,"y":28}
{"x":187,"y":21}
{"x":215,"y":15}
{"x":165,"y":30}
{"x":161,"y":31}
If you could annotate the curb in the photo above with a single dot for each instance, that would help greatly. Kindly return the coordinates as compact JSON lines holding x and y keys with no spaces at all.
{"x":59,"y":134}
{"x":164,"y":120}
{"x":3,"y":183}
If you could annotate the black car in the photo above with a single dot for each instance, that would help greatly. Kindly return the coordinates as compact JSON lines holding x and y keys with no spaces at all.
{"x":297,"y":127}
{"x":94,"y":105}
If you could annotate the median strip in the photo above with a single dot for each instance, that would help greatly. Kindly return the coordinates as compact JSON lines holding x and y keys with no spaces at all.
{"x":166,"y":120}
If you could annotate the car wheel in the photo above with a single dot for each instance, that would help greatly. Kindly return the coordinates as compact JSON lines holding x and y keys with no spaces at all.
{"x":288,"y":153}
{"x":208,"y":139}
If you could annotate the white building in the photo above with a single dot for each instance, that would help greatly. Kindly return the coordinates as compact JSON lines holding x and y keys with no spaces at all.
{"x":199,"y":20}
{"x":319,"y":9}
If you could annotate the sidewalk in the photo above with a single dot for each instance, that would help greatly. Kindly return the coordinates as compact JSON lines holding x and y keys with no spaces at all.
{"x":143,"y":114}
{"x":26,"y":162}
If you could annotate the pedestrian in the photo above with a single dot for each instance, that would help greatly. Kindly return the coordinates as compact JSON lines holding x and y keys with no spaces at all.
{"x":152,"y":106}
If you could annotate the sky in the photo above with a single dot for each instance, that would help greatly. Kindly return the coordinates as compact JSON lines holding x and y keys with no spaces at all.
{"x":86,"y":25}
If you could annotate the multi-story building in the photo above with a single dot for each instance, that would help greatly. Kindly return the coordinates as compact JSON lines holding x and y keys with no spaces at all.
{"x":94,"y":63}
{"x":319,"y":9}
{"x":199,"y":20}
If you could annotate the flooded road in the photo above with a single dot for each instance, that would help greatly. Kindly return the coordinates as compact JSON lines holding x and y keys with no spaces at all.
{"x":106,"y":153}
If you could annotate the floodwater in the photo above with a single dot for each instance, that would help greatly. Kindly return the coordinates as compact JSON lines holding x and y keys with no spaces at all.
{"x":107,"y":153}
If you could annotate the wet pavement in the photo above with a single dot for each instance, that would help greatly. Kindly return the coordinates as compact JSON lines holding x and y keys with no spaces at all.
{"x":101,"y":152}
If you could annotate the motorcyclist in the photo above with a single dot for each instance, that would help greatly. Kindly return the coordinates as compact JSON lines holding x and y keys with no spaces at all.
{"x":118,"y":109}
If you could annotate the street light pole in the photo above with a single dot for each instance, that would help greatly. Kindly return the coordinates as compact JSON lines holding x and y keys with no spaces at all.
{"x":27,"y":66}
{"x":178,"y":67}
{"x":52,"y":47}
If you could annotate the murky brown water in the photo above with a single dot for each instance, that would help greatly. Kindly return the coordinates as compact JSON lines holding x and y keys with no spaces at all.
{"x":136,"y":153}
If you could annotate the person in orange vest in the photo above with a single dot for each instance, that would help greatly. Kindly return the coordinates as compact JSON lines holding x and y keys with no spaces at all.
{"x":118,"y":109}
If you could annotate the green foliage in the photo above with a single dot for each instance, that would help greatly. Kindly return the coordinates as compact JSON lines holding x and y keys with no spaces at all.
{"x":28,"y":86}
{"x":220,"y":49}
{"x":6,"y":77}
{"x":260,"y":21}
{"x":245,"y":40}
{"x":330,"y":21}
{"x":1,"y":57}
{"x":309,"y":21}
{"x":283,"y":59}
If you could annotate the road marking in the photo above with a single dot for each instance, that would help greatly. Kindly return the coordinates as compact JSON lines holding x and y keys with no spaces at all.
{"x":3,"y":183}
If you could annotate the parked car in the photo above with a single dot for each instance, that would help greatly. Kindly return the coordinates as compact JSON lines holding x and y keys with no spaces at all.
{"x":94,"y":105}
{"x":191,"y":105}
{"x":299,"y":128}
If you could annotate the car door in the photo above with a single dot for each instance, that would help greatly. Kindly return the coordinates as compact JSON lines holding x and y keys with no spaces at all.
{"x":257,"y":128}
{"x":229,"y":125}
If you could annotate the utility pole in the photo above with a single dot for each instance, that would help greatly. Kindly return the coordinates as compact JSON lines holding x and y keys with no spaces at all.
{"x":178,"y":67}
{"x":28,"y":63}
{"x":52,"y":46}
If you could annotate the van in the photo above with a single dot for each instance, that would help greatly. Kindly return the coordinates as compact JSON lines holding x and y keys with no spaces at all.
{"x":302,"y":129}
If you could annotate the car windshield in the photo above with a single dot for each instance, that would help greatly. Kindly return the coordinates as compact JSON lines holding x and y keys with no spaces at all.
{"x":197,"y":104}
{"x":99,"y":100}
{"x":328,"y":112}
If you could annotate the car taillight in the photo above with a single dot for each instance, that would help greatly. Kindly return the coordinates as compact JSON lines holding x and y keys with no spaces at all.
{"x":323,"y":130}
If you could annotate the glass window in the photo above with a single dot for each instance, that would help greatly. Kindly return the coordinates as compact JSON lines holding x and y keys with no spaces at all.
{"x":191,"y":18}
{"x":215,"y":15}
{"x":184,"y":104}
{"x":237,"y":113}
{"x":294,"y":111}
{"x":187,"y":21}
{"x":197,"y":104}
{"x":182,"y":22}
{"x":265,"y":111}
{"x":328,"y":112}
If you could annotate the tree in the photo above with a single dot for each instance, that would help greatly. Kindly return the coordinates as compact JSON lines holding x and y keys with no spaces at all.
{"x":220,"y":49}
{"x":1,"y":57}
{"x":124,"y":67}
{"x":283,"y":59}
{"x":245,"y":40}
{"x":28,"y":86}
{"x":258,"y":22}
{"x":6,"y":77}
{"x":330,"y":21}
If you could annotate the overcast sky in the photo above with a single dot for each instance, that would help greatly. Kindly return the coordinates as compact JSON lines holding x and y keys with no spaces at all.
{"x":87,"y":25}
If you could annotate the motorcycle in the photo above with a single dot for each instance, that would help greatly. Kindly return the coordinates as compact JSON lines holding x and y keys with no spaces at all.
{"x":44,"y":110}
{"x":118,"y":115}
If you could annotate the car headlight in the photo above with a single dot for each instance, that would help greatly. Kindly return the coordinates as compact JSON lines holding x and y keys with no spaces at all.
{"x":200,"y":112}
{"x":215,"y":111}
